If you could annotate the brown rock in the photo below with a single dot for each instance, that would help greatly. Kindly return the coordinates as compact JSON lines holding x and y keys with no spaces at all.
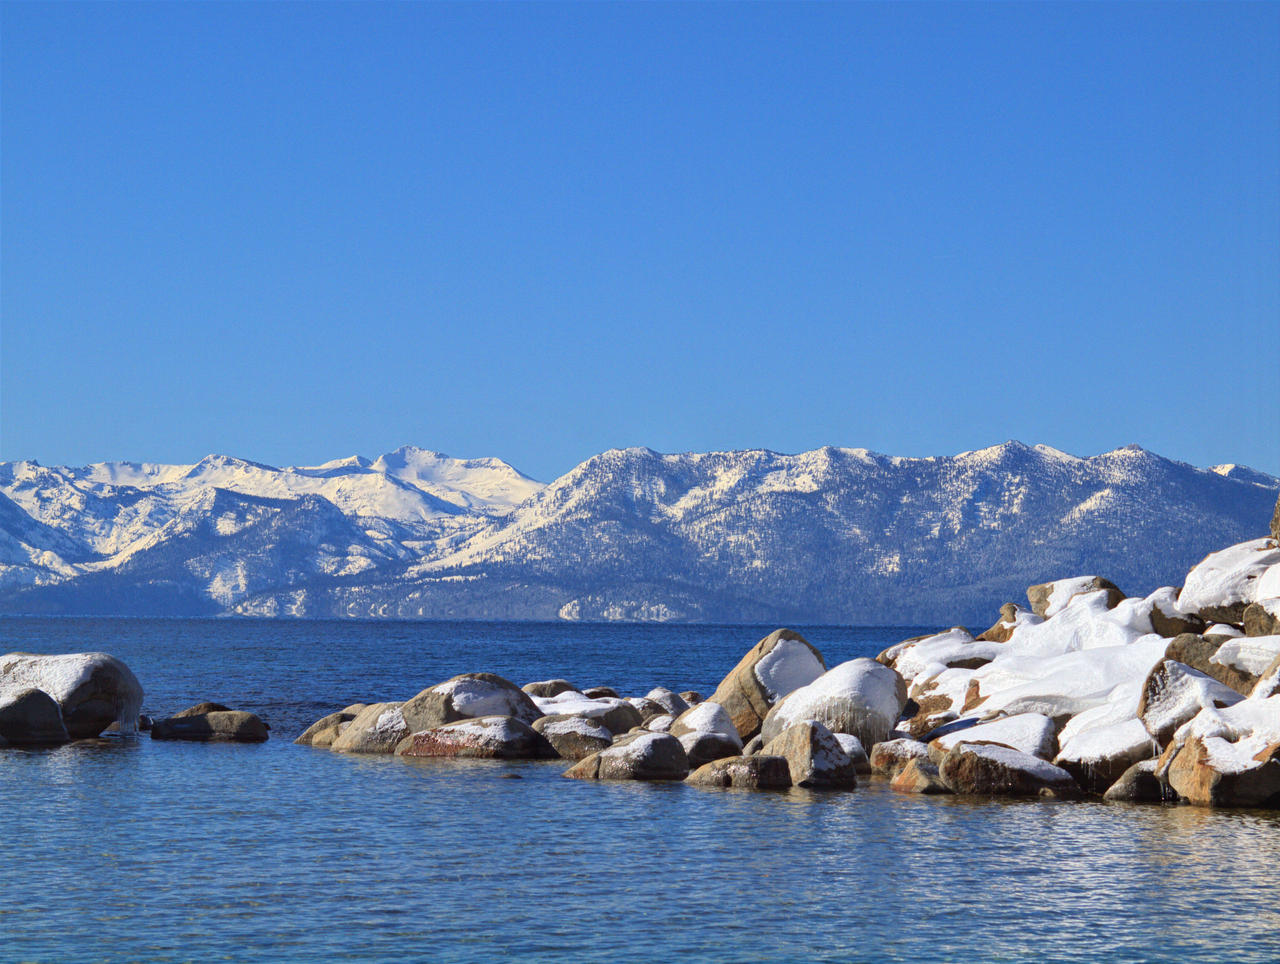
{"x":1192,"y":774}
{"x":222,"y":726}
{"x":1197,"y":652}
{"x":325,"y":730}
{"x":1000,"y":771}
{"x":1040,"y":595}
{"x":574,"y":737}
{"x":467,"y":696}
{"x":600,"y":692}
{"x":378,"y":728}
{"x":200,"y":709}
{"x":814,"y":756}
{"x":1175,"y":624}
{"x":1002,"y":631}
{"x":1262,"y":620}
{"x":638,"y":756}
{"x":919,"y":775}
{"x":757,"y":772}
{"x":1138,"y":784}
{"x":549,"y":687}
{"x":742,"y":694}
{"x":890,"y":757}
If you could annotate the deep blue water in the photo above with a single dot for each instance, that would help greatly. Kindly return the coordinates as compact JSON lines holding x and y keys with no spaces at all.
{"x":167,"y":851}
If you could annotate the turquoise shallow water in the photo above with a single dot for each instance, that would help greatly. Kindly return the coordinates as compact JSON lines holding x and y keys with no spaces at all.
{"x":172,"y":852}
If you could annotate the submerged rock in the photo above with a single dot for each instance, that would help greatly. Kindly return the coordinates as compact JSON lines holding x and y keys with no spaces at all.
{"x":638,"y":756}
{"x":757,"y":772}
{"x":777,"y":665}
{"x":92,"y":690}
{"x":222,"y":726}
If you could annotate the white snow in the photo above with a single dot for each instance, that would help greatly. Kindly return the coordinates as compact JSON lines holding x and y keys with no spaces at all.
{"x":1248,"y":654}
{"x":1184,"y":692}
{"x":1229,"y":576}
{"x":576,"y":725}
{"x":787,"y":667}
{"x":1098,"y":744}
{"x":1031,"y":733}
{"x":1063,"y":590}
{"x":476,"y":697}
{"x":861,"y":686}
{"x":708,"y":718}
{"x":1017,"y":760}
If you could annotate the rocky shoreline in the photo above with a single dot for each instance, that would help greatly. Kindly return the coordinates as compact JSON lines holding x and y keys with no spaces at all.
{"x":1086,"y":692}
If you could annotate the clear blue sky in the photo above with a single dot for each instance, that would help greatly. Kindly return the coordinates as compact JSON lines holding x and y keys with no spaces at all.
{"x":293,"y":232}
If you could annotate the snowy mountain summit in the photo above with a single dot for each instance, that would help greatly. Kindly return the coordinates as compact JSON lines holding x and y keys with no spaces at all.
{"x":832,"y":535}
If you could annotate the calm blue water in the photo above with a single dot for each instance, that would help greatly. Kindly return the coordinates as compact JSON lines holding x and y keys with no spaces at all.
{"x":171,"y":852}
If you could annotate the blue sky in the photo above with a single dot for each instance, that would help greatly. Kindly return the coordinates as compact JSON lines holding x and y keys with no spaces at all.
{"x":294,"y":232}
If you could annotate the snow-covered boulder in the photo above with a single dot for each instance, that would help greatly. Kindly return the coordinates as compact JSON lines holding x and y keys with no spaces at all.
{"x":919,"y":661}
{"x":1050,"y":598}
{"x":1227,"y":757}
{"x":919,"y":775}
{"x":469,"y":696}
{"x":549,"y":687}
{"x":574,"y":737}
{"x":707,"y":733}
{"x":862,"y":697}
{"x":1245,"y":658}
{"x":1268,"y":684}
{"x":1011,"y":617}
{"x":1032,"y":733}
{"x":485,"y":738}
{"x":1167,"y":617}
{"x":857,"y":752}
{"x":1221,"y":586}
{"x":617,"y":714}
{"x":600,"y":693}
{"x":1174,"y":693}
{"x":647,"y":708}
{"x":1097,"y":756}
{"x":93,"y":690}
{"x":890,"y":756}
{"x":671,"y":703}
{"x":1000,"y":771}
{"x":780,"y":663}
{"x":221,"y":726}
{"x":378,"y":728}
{"x":325,"y":730}
{"x":757,"y":772}
{"x":635,"y":756}
{"x":30,"y":717}
{"x":814,"y":756}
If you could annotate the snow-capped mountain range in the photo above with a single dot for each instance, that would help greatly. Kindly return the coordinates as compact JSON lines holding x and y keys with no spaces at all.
{"x":832,"y":535}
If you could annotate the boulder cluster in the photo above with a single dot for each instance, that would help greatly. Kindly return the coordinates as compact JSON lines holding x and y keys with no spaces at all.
{"x":1171,"y":696}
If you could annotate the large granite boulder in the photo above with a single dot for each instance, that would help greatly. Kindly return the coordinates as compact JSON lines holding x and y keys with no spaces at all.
{"x":93,"y":690}
{"x":1262,"y":618}
{"x":468,"y":696}
{"x":378,"y":728}
{"x":1227,"y":757}
{"x":325,"y":730}
{"x":30,"y":717}
{"x":1175,"y":693}
{"x":707,"y":733}
{"x":1221,"y":586}
{"x":814,"y":756}
{"x":1098,"y":756}
{"x":1050,"y":598}
{"x":757,"y":772}
{"x":672,"y":703}
{"x":483,"y":738}
{"x":862,"y":697}
{"x":223,"y":726}
{"x":780,"y":663}
{"x":574,"y":737}
{"x":1000,"y":771}
{"x":635,"y":756}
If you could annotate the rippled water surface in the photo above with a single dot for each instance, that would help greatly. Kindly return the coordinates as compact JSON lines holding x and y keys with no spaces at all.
{"x":136,"y":850}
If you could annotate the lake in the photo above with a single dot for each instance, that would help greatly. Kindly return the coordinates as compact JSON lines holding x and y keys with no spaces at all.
{"x":137,"y":850}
